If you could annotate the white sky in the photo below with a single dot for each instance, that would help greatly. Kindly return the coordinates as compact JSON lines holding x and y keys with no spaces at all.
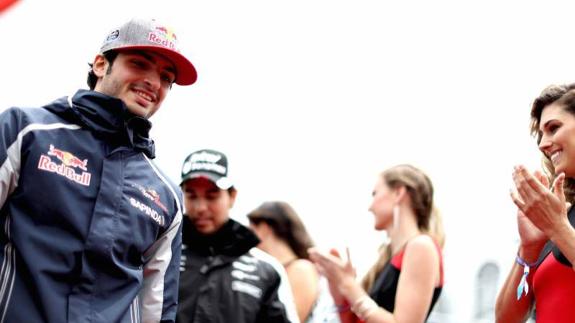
{"x":311,"y":99}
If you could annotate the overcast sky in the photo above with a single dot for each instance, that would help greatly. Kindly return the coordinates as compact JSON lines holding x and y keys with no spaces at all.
{"x":311,"y":99}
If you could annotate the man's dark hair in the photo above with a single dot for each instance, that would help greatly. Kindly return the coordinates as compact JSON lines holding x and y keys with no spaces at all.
{"x":110,"y":56}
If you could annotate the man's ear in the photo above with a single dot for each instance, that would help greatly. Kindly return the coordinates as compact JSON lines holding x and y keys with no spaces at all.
{"x":100,"y":65}
{"x":233,"y":193}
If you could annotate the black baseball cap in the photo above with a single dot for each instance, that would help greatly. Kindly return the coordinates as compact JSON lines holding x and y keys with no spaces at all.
{"x":207,"y":163}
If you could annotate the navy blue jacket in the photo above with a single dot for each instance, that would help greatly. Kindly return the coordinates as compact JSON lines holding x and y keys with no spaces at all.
{"x":90,"y":229}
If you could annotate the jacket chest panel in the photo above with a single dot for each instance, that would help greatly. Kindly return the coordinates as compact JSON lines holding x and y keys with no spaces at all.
{"x":104,"y":204}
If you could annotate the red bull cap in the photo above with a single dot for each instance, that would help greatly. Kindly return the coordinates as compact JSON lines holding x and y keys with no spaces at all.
{"x":151,"y":35}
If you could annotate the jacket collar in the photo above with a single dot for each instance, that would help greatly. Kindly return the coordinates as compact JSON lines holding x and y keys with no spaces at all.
{"x":107,"y":117}
{"x":232,"y":239}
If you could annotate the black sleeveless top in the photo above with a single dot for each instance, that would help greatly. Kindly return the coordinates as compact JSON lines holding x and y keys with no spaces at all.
{"x":385,"y":285}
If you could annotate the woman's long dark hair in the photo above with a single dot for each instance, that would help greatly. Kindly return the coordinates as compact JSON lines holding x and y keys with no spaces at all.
{"x":562,"y":95}
{"x":286,"y":225}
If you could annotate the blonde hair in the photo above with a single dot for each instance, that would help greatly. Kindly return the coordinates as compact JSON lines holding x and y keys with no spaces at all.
{"x":420,"y":190}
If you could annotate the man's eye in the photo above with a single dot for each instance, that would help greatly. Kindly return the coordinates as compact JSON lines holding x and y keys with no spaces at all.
{"x":168,"y":80}
{"x":139,"y":64}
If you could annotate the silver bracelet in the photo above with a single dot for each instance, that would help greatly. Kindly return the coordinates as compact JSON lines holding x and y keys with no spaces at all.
{"x":364,"y":307}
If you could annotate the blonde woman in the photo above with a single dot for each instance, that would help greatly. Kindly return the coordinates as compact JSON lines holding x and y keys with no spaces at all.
{"x":406,"y":281}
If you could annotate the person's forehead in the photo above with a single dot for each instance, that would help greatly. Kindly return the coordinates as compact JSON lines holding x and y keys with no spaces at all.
{"x":200,"y":183}
{"x":552,"y":111}
{"x":380,"y":181}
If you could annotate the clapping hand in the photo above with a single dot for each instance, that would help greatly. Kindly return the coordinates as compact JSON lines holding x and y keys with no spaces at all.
{"x":542,"y":211}
{"x":339,"y":272}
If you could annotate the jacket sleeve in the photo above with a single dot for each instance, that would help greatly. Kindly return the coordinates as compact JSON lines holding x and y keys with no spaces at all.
{"x":285,"y":294}
{"x":10,"y":147}
{"x":279,"y":294}
{"x":273,"y":310}
{"x":159,"y":294}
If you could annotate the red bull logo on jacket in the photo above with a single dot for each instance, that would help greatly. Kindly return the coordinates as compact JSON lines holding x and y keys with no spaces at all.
{"x":65,"y":164}
{"x":152,"y":195}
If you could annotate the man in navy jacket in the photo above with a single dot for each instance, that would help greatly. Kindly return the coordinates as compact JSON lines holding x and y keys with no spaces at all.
{"x":90,"y":228}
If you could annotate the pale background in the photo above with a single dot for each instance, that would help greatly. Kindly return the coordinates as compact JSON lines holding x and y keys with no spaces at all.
{"x":311,"y":99}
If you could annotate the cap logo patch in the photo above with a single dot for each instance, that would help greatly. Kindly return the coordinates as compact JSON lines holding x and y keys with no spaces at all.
{"x":205,"y":157}
{"x":204,"y":161}
{"x":209,"y":167}
{"x":112,"y":36}
{"x":163,"y":36}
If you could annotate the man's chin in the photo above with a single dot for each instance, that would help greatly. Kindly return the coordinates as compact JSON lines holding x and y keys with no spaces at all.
{"x":139,"y":110}
{"x":204,"y":229}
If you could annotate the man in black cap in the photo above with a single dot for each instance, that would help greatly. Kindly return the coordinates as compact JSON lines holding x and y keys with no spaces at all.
{"x":90,"y":226}
{"x":223,"y":277}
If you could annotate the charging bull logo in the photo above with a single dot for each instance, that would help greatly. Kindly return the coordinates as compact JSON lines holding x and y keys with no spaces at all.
{"x":155,"y":197}
{"x":164,"y":37}
{"x":152,"y":195}
{"x":66,"y":167}
{"x":68,"y":159}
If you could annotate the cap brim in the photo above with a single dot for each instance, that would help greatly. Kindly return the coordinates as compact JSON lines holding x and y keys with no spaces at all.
{"x":185,"y":71}
{"x":221,"y":182}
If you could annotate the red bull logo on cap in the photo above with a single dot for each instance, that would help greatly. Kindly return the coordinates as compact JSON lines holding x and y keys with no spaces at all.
{"x":163,"y":36}
{"x":68,"y":163}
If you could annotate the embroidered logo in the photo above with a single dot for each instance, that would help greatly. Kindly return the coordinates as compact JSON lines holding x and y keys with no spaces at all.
{"x":67,"y":166}
{"x":163,"y":36}
{"x":152,"y":195}
{"x":159,"y":219}
{"x":112,"y":36}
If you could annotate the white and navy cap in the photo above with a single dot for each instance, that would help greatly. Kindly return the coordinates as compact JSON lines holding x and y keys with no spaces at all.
{"x":209,"y":164}
{"x":150,"y":35}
